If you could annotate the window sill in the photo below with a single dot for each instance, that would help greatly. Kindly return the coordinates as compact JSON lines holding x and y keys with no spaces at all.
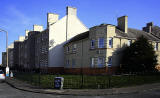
{"x":92,"y":48}
{"x":100,"y":48}
{"x":109,"y":65}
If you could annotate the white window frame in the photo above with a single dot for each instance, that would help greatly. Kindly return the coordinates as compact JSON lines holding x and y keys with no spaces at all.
{"x":110,"y":39}
{"x":99,"y":43}
{"x":92,"y":62}
{"x":109,"y":61}
{"x":74,"y":47}
{"x":129,"y":42}
{"x":156,"y":46}
{"x":67,"y":49}
{"x":101,"y":64}
{"x":67,"y":63}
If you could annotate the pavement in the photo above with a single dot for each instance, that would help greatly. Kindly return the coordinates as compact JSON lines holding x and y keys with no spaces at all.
{"x":82,"y":92}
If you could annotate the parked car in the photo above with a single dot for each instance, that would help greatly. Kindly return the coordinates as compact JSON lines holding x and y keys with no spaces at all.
{"x":2,"y":75}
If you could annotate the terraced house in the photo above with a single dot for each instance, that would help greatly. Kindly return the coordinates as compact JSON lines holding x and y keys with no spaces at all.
{"x":98,"y":49}
{"x":44,"y":48}
{"x":68,"y":46}
{"x":10,"y":55}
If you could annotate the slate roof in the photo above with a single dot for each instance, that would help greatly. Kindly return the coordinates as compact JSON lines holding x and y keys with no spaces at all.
{"x":134,"y":33}
{"x":79,"y":37}
{"x":156,"y":31}
{"x":131,"y":34}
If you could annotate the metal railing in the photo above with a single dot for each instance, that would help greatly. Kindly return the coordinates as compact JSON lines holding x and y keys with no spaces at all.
{"x":88,"y":81}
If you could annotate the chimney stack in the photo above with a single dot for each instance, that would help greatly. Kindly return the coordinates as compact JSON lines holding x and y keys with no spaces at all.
{"x":26,"y":32}
{"x":71,"y":11}
{"x":148,"y":27}
{"x":149,"y":24}
{"x":123,"y":23}
{"x":21,"y":38}
{"x":37,"y":28}
{"x":51,"y":18}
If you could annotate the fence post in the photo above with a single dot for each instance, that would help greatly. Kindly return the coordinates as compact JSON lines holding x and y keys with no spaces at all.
{"x":30,"y":77}
{"x":39,"y":78}
{"x":81,"y":79}
{"x":109,"y":78}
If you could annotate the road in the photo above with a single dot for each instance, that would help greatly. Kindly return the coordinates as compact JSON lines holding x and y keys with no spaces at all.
{"x":7,"y":91}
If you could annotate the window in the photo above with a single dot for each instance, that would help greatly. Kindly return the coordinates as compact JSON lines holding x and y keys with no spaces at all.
{"x":92,"y":62}
{"x":129,"y":42}
{"x":74,"y":47}
{"x":92,"y":44}
{"x":110,"y":42}
{"x":100,"y":62}
{"x":156,"y":47}
{"x":109,"y":61}
{"x":101,"y":43}
{"x":67,"y":63}
{"x":73,"y":62}
{"x":67,"y":48}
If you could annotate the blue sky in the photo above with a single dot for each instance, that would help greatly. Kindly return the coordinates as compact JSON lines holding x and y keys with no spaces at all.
{"x":18,"y":15}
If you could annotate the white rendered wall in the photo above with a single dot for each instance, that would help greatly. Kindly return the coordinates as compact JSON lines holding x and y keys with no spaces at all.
{"x":57,"y":33}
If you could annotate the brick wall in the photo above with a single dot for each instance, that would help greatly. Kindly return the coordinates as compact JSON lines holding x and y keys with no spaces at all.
{"x":87,"y":71}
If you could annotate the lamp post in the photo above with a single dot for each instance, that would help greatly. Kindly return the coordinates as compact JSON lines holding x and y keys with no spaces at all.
{"x":7,"y":68}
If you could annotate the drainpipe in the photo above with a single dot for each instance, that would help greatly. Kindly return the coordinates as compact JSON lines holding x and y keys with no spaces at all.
{"x":82,"y":65}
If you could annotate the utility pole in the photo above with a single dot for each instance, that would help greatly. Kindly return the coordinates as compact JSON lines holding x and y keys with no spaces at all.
{"x":7,"y":67}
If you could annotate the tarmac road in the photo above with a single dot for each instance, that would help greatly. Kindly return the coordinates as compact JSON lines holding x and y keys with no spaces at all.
{"x":6,"y":91}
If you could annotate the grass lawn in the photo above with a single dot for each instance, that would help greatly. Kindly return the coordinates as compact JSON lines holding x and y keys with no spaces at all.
{"x":88,"y":81}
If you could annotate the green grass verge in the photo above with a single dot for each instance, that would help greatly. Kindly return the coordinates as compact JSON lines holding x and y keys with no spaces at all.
{"x":88,"y":81}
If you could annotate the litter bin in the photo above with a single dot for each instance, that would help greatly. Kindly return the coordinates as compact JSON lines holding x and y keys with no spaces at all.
{"x":58,"y":82}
